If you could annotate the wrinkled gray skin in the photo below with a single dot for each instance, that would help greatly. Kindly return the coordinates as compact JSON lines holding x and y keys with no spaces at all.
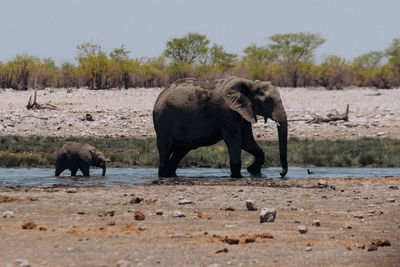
{"x":75,"y":155}
{"x":191,"y":113}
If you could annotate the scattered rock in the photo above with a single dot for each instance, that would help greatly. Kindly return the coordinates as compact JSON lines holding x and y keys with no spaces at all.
{"x":267,"y":215}
{"x":379,"y":243}
{"x":302,"y":229}
{"x":316,"y":223}
{"x":308,"y":248}
{"x":110,"y":213}
{"x":89,"y":117}
{"x":390,"y":200}
{"x":361,"y":246}
{"x":136,"y":200}
{"x":251,"y":205}
{"x":29,"y":225}
{"x":224,"y":250}
{"x":159,"y":212}
{"x":228,"y":208}
{"x":322,"y":183}
{"x":81,"y":213}
{"x":293,"y":208}
{"x":178,"y":214}
{"x":359,"y":216}
{"x":112,"y":223}
{"x":22,"y":262}
{"x":347,"y":226}
{"x":8,"y":214}
{"x":203,"y":216}
{"x":8,"y":199}
{"x":185,"y":202}
{"x":393,"y":187}
{"x":297,"y":221}
{"x":123,"y":263}
{"x":139,"y":216}
{"x":230,"y":241}
{"x":372,"y":248}
{"x":71,"y":190}
{"x":131,"y":210}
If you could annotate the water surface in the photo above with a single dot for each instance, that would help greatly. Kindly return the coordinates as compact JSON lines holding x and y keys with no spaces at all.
{"x":131,"y":176}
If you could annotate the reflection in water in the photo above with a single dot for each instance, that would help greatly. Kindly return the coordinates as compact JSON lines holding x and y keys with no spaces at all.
{"x":130,"y":176}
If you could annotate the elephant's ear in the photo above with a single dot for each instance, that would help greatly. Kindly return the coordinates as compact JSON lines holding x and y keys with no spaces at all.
{"x":237,"y":95}
{"x":86,"y":153}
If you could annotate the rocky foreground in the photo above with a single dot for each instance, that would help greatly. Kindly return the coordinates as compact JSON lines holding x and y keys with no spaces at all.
{"x":127,"y":113}
{"x":330,"y":222}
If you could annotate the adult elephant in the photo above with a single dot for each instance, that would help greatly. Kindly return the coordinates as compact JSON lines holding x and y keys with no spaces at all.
{"x":76,"y":155}
{"x":191,"y":113}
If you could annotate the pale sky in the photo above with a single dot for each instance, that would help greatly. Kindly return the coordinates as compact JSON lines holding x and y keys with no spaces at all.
{"x":53,"y":28}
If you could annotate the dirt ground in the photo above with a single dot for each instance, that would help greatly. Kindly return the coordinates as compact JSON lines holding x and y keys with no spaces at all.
{"x":121,"y":113}
{"x":74,"y":227}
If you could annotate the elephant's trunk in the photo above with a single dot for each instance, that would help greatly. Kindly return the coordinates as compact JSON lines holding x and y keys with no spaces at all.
{"x":283,"y":135}
{"x":104,"y":171}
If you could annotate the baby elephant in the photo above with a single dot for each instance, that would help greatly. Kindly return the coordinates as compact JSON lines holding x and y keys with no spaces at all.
{"x":74,"y":156}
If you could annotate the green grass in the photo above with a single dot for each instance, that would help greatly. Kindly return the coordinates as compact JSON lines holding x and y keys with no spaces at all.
{"x":18,"y":151}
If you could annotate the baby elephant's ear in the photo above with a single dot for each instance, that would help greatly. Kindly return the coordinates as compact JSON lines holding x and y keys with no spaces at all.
{"x":237,"y":95}
{"x":86,"y":153}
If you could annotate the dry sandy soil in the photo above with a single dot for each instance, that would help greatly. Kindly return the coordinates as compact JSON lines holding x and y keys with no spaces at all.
{"x":73,"y":227}
{"x":119,"y":113}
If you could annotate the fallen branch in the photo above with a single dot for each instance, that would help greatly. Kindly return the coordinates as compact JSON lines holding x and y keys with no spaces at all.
{"x":36,"y":105}
{"x":330,"y":117}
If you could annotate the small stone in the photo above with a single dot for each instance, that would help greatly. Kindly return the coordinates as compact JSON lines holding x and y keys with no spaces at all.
{"x":380,"y":133}
{"x":302,"y":229}
{"x":131,"y":210}
{"x":136,"y":200}
{"x":8,"y":214}
{"x":267,"y":215}
{"x":289,"y":201}
{"x":178,"y":214}
{"x":372,"y":248}
{"x":110,"y":213}
{"x":322,"y":183}
{"x":380,"y":212}
{"x":251,"y":204}
{"x":347,"y":226}
{"x":71,"y":190}
{"x":308,"y":248}
{"x":297,"y":221}
{"x":22,"y":262}
{"x":293,"y":208}
{"x":81,"y":212}
{"x":240,"y":190}
{"x":359,"y":216}
{"x":159,"y":212}
{"x":185,"y":202}
{"x":316,"y":223}
{"x":371,"y":211}
{"x":393,"y":187}
{"x":390,"y":200}
{"x":29,"y":225}
{"x":123,"y":263}
{"x":139,"y":216}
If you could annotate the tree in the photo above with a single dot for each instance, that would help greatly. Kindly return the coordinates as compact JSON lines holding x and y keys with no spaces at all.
{"x":369,"y":60}
{"x":394,"y":49}
{"x":333,"y":72}
{"x":294,"y":48}
{"x":124,"y":64}
{"x":219,"y":58}
{"x":93,"y":63}
{"x":257,"y":58}
{"x":191,"y":48}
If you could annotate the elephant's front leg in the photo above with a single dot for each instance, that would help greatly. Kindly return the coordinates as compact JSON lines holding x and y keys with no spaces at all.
{"x":233,"y":142}
{"x":84,"y":166}
{"x":250,"y":145}
{"x":73,"y":171}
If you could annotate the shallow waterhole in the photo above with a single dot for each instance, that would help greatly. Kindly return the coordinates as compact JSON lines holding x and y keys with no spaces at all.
{"x":131,"y":176}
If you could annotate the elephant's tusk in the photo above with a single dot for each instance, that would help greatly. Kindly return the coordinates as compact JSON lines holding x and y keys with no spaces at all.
{"x":278,"y":124}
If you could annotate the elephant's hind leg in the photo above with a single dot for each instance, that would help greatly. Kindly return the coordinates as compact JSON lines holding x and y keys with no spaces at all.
{"x":250,"y":145}
{"x":59,"y":170}
{"x":178,"y":154}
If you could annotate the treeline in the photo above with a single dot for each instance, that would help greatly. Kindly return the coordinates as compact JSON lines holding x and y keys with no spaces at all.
{"x":287,"y":60}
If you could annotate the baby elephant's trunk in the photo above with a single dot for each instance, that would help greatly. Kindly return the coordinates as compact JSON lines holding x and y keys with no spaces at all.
{"x":104,"y":171}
